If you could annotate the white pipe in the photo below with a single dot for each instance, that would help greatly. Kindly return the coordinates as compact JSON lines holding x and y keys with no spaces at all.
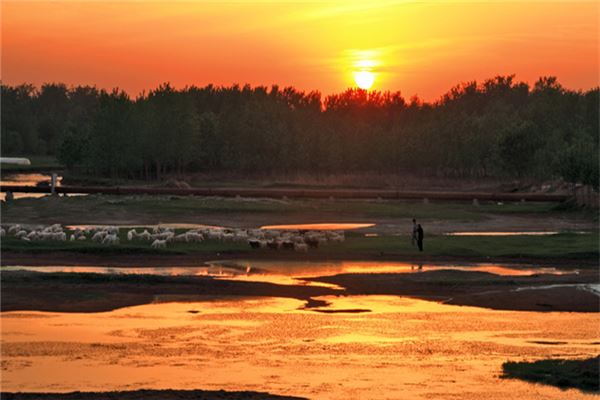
{"x":15,"y":160}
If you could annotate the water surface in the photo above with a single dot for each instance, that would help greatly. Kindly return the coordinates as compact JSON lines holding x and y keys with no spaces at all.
{"x":402,"y":348}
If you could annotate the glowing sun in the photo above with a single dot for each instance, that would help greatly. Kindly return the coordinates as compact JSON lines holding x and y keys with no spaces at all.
{"x":364,"y":79}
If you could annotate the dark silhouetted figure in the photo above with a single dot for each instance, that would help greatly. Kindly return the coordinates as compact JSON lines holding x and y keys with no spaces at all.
{"x":420,"y":237}
{"x":413,"y":239}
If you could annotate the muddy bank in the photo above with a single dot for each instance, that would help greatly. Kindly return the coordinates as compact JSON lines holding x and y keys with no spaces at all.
{"x":480,"y":289}
{"x":91,"y":292}
{"x":151,"y":394}
{"x":63,"y":258}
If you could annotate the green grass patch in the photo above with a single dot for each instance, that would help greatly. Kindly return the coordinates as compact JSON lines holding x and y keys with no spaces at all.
{"x":564,"y":245}
{"x":192,"y":208}
{"x":580,"y":374}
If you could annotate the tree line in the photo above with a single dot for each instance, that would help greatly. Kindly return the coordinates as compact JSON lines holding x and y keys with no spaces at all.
{"x":499,"y":128}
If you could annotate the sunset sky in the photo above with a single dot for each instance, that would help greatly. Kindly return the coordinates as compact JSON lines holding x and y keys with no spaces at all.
{"x":417,"y":47}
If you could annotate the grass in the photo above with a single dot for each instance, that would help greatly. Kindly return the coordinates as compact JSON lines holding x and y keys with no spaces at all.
{"x":565,"y":245}
{"x":580,"y":374}
{"x":154,"y":209}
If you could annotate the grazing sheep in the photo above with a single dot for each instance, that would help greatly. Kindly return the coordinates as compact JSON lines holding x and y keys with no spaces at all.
{"x":14,"y":229}
{"x":191,"y":237}
{"x":162,"y":236}
{"x":2,"y":232}
{"x":99,"y":236}
{"x":59,"y":236}
{"x":54,"y":228}
{"x":111,"y":239}
{"x":33,"y":235}
{"x":159,"y":244}
{"x":145,"y":235}
{"x":227,"y":237}
{"x":274,"y":244}
{"x":214,"y":234}
{"x":269,"y":234}
{"x":132,"y":234}
{"x":182,"y":237}
{"x":20,"y":234}
{"x":301,"y":247}
{"x":311,"y":242}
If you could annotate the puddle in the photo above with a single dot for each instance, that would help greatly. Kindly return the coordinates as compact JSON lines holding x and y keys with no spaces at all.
{"x":402,"y":348}
{"x":172,"y":226}
{"x":32,"y":179}
{"x":291,"y":272}
{"x":588,"y":287}
{"x":332,"y":226}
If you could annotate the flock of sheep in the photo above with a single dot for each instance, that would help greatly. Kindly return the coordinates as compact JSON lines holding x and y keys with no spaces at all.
{"x":161,"y":237}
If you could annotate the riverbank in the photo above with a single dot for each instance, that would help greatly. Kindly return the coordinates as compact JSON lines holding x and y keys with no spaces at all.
{"x":94,"y":292}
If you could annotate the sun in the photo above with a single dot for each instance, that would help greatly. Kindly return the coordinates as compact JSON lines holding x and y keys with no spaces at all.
{"x":364,"y":79}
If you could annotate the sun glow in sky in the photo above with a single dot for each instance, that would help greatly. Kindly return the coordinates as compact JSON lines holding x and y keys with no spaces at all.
{"x":418,"y":47}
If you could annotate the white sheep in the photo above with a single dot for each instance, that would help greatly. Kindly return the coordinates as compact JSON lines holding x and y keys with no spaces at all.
{"x":214,"y":234}
{"x":14,"y":229}
{"x":20,"y":234}
{"x":59,"y":236}
{"x":182,"y":237}
{"x":159,"y":244}
{"x":33,"y":235}
{"x":2,"y":232}
{"x":111,"y":239}
{"x":145,"y":235}
{"x":227,"y":237}
{"x":193,"y":237}
{"x":300,"y":247}
{"x":132,"y":234}
{"x":99,"y":236}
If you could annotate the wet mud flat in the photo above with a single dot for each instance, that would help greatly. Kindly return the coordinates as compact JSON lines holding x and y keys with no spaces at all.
{"x":402,"y":348}
{"x":94,"y":292}
{"x":151,"y":394}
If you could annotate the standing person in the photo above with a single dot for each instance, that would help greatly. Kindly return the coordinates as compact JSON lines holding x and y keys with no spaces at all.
{"x":414,"y":232}
{"x":420,"y":237}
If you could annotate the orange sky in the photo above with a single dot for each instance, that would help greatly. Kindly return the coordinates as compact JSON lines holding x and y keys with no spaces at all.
{"x":418,"y":47}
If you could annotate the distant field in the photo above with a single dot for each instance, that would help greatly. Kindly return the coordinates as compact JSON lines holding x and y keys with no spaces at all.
{"x":155,"y":209}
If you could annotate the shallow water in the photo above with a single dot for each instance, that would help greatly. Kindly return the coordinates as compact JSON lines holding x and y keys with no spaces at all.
{"x":402,"y":348}
{"x":26,"y":179}
{"x":271,"y":270}
{"x":328,"y":226}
